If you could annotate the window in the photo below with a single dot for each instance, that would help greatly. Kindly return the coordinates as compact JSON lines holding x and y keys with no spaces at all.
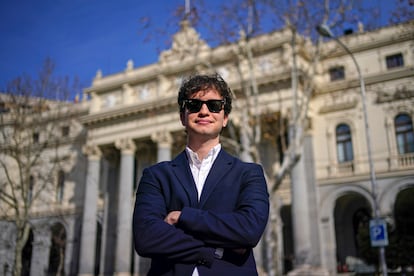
{"x":3,"y":108}
{"x":60,"y":186}
{"x":344,"y":143}
{"x":30,"y":190}
{"x":404,"y":133}
{"x":337,"y":73}
{"x":144,"y":93}
{"x":35,"y":137}
{"x":110,"y":101}
{"x":65,"y":131}
{"x":394,"y":61}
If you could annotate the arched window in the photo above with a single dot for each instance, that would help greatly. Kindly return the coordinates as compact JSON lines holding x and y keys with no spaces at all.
{"x":404,"y":133}
{"x":60,"y":186}
{"x":344,"y":143}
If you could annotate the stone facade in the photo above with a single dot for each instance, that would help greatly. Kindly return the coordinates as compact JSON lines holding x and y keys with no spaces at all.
{"x":132,"y":121}
{"x":59,"y":178}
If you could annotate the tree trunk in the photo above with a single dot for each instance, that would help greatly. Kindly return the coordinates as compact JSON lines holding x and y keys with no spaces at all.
{"x":17,"y":267}
{"x":23,"y":230}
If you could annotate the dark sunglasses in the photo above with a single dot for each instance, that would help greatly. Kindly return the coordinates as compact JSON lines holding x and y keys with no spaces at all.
{"x":194,"y":105}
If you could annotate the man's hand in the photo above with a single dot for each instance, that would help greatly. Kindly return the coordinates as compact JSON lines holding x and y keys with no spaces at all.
{"x":172,"y":217}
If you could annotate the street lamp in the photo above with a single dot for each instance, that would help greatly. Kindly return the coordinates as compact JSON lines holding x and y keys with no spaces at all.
{"x":325,"y":31}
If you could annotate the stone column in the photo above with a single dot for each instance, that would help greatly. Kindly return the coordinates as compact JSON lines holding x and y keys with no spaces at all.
{"x":313,"y":201}
{"x":88,"y":235}
{"x":305,"y":216}
{"x":300,"y":214}
{"x":70,"y":244}
{"x":124,"y":228}
{"x":328,"y":243}
{"x":41,"y":250}
{"x":164,"y":141}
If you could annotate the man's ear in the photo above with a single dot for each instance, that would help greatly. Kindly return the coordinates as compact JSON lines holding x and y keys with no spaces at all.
{"x":226,"y":120}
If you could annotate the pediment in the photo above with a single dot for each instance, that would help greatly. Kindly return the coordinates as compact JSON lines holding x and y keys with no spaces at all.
{"x":401,"y":92}
{"x":186,"y":43}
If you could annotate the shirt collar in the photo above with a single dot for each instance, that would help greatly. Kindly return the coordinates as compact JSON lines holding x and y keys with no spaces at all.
{"x":212,"y":154}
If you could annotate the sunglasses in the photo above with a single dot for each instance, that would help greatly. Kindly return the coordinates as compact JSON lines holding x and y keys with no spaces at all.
{"x":194,"y":105}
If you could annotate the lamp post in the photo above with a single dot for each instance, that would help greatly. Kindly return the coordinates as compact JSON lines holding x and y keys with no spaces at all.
{"x":325,"y":31}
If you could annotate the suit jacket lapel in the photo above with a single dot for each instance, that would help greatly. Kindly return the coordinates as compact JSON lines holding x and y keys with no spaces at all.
{"x":185,"y":177}
{"x":221,"y":166}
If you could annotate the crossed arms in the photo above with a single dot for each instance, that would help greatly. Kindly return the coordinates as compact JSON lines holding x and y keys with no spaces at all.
{"x":191,"y":234}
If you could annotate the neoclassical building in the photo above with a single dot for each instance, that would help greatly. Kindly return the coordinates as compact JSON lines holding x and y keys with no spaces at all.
{"x":131,"y":121}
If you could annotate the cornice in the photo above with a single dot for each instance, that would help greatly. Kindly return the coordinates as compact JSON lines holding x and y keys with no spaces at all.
{"x":55,"y":211}
{"x":127,"y":111}
{"x":338,"y":107}
{"x":265,"y":80}
{"x":141,"y":74}
{"x":373,"y":39}
{"x":342,"y":179}
{"x":373,"y":79}
{"x":214,"y":56}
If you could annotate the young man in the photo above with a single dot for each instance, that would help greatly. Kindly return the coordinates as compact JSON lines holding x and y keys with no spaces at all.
{"x":203,"y":212}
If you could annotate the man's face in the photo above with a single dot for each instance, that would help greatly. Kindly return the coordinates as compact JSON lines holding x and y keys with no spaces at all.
{"x":204,"y":123}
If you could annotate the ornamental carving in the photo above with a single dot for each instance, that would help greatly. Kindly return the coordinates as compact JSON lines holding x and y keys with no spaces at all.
{"x":402,"y":92}
{"x":125,"y":145}
{"x":185,"y":43}
{"x":162,"y":137}
{"x":338,"y":103}
{"x":92,"y":151}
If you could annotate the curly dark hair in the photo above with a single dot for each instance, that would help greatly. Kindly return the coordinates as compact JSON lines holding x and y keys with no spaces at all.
{"x":196,"y":83}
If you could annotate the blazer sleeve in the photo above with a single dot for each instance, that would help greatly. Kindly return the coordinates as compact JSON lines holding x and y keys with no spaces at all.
{"x":155,"y":238}
{"x":241,"y":227}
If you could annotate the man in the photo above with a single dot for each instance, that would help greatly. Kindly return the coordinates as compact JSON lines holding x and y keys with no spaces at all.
{"x":203,"y":212}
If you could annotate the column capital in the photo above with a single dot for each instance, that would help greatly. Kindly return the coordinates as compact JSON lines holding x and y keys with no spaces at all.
{"x":92,"y":151}
{"x":162,"y":137}
{"x":126,"y":145}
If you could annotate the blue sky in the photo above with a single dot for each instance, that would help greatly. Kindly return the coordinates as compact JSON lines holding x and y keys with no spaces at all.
{"x":81,"y":36}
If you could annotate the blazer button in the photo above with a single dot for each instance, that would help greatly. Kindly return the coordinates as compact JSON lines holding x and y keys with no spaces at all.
{"x":218,"y":254}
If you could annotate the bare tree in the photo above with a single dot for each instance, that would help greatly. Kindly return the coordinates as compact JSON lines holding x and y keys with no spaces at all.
{"x":236,"y":23}
{"x":31,"y":132}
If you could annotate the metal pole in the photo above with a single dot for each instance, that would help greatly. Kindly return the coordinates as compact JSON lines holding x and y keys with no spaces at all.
{"x":187,"y":7}
{"x":369,"y":151}
{"x":324,"y":31}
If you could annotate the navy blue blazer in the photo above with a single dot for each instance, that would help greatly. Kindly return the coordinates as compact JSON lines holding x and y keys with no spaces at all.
{"x":232,"y":213}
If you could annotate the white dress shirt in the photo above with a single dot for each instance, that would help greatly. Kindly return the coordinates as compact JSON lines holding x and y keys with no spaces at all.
{"x":200,"y":169}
